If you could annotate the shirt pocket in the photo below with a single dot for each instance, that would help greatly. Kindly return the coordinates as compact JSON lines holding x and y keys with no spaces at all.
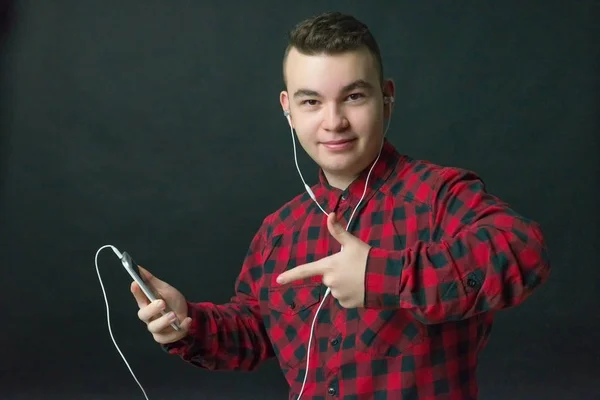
{"x":387,"y":333}
{"x":291,"y":310}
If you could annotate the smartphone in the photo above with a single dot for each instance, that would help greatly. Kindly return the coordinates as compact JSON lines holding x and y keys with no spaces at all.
{"x":132,"y":268}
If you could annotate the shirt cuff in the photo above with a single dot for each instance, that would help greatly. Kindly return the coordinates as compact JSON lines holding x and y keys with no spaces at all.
{"x":382,"y":279}
{"x":180,"y":346}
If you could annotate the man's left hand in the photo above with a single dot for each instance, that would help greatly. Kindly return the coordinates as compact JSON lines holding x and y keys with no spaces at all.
{"x":343,"y":273}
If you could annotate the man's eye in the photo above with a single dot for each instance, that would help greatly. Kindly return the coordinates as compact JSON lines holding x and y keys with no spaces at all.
{"x":356,"y":96}
{"x":310,"y":102}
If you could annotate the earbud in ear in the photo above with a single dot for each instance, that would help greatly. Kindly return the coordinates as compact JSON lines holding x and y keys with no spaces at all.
{"x":388,"y":99}
{"x":286,"y":113}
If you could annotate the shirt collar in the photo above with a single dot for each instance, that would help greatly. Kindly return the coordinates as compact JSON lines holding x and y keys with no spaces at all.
{"x":382,"y":170}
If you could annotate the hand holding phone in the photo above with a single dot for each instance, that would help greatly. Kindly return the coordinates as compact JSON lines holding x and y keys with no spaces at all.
{"x":149,"y":292}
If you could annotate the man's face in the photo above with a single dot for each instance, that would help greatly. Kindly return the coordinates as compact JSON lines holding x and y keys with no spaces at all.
{"x":336,"y":106}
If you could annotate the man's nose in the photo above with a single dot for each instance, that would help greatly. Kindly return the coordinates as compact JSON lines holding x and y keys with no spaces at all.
{"x":334,"y":118}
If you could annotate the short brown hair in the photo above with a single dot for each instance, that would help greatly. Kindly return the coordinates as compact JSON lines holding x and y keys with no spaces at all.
{"x":332,"y":33}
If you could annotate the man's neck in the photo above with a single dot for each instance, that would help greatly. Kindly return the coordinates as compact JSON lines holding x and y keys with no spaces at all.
{"x":342,"y":181}
{"x":339,"y":182}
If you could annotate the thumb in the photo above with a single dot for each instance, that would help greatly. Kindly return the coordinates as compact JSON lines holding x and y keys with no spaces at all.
{"x":145,"y":274}
{"x":336,"y":229}
{"x":149,"y":278}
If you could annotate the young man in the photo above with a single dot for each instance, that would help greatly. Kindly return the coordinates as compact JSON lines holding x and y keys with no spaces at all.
{"x":404,"y":309}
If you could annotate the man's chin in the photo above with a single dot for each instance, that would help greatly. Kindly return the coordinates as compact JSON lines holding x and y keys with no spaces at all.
{"x":342,"y":170}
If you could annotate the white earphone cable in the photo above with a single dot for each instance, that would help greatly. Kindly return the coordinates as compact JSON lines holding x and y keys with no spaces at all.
{"x":118,"y":253}
{"x":310,"y":192}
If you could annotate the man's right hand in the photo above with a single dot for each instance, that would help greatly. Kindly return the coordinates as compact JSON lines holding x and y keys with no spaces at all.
{"x":150,"y":313}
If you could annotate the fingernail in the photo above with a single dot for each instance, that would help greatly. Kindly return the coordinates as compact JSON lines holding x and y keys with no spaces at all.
{"x":279,"y":279}
{"x":172,"y":316}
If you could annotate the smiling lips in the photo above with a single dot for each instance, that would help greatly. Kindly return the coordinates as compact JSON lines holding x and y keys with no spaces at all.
{"x":339,"y":145}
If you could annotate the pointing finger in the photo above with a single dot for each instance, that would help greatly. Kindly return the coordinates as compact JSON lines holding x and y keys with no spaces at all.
{"x":303,"y":271}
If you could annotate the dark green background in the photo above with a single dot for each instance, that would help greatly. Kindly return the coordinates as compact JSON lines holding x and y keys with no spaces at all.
{"x":155,"y":126}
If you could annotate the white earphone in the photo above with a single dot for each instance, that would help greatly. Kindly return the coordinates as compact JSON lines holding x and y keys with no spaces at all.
{"x":286,"y":113}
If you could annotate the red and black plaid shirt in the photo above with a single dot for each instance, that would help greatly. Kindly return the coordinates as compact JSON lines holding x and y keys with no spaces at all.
{"x":445,"y":256}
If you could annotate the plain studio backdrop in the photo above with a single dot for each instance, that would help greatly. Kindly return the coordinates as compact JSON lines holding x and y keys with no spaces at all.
{"x":155,"y":126}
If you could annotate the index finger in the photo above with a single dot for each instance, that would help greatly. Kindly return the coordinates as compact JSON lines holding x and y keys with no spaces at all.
{"x":302,"y":272}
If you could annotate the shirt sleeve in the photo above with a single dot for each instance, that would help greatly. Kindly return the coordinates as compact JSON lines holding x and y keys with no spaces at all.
{"x":229,"y":336}
{"x":487,"y":257}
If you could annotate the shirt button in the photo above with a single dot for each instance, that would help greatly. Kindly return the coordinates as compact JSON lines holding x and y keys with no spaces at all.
{"x":471,"y":282}
{"x":334,"y":342}
{"x":292,"y":305}
{"x":331,"y":391}
{"x":344,"y":197}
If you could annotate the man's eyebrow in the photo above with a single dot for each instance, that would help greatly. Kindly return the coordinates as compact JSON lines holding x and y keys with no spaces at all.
{"x":306,"y":92}
{"x":358,"y":84}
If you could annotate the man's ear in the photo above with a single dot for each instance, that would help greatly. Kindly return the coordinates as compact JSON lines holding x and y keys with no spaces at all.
{"x":389,"y":91}
{"x":285,"y":105}
{"x":284,"y":100}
